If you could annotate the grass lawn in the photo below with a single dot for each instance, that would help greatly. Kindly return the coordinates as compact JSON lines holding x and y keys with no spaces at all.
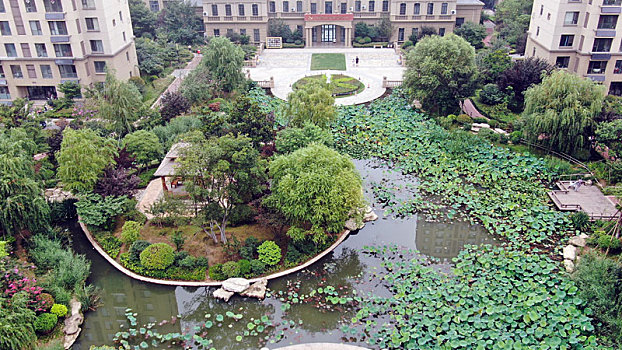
{"x":324,"y":61}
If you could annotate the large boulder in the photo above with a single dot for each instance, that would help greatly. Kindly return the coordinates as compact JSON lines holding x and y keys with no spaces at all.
{"x":236,"y":285}
{"x":369,"y":215}
{"x":570,"y":252}
{"x":223,"y":294}
{"x":578,"y":241}
{"x":72,"y":324}
{"x":569,"y":265}
{"x":256,"y":290}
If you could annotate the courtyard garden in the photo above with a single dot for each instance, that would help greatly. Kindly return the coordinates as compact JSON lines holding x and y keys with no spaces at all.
{"x":340,"y":85}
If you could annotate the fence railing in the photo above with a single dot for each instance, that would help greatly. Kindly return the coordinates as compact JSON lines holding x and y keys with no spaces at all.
{"x":266,"y":84}
{"x":390,"y":84}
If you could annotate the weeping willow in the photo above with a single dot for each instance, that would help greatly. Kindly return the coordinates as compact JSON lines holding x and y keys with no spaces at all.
{"x":560,"y":112}
{"x":16,"y":329}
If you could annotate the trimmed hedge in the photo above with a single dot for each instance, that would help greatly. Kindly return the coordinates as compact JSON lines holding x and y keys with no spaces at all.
{"x":269,"y":253}
{"x":157,"y":256}
{"x":59,"y":310}
{"x":45,"y":322}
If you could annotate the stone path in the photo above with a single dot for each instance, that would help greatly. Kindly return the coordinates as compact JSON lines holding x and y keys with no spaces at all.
{"x":287,"y":66}
{"x":588,"y":199}
{"x":150,"y":195}
{"x":180,"y":75}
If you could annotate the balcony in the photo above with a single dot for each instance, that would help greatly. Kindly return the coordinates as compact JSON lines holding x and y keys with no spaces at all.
{"x":601,"y":56}
{"x":366,"y":14}
{"x":257,"y":18}
{"x":55,"y":16}
{"x":227,"y":18}
{"x":71,"y":78}
{"x":5,"y":96}
{"x":416,"y":18}
{"x":606,"y":33}
{"x":598,"y":78}
{"x":292,"y":14}
{"x":400,"y":17}
{"x":64,"y":61}
{"x":60,"y":39}
{"x":213,"y":19}
{"x":430,"y":17}
{"x":445,"y":17}
{"x":241,"y":18}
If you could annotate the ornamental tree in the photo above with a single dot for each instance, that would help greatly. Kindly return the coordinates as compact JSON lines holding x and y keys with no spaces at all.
{"x":520,"y":76}
{"x":247,"y":118}
{"x":441,"y":72}
{"x":290,"y":139}
{"x":474,"y":33}
{"x":117,"y":182}
{"x":311,"y":103}
{"x":144,"y":146}
{"x":317,"y":190}
{"x":224,"y":60}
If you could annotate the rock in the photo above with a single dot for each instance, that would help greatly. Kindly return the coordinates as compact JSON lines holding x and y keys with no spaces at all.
{"x":353,"y":226}
{"x":370,"y":215}
{"x":70,"y":339}
{"x":256,"y":290}
{"x":236,"y":285}
{"x":223,"y":294}
{"x":570,"y":252}
{"x":72,"y":324}
{"x":577,"y":241}
{"x":584,"y":236}
{"x":569,"y":265}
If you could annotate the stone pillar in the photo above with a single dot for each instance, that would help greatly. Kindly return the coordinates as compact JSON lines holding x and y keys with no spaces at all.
{"x":309,"y":37}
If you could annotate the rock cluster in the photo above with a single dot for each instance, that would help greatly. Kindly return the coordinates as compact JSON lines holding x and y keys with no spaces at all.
{"x":72,"y":324}
{"x":570,"y":251}
{"x":243,"y":287}
{"x":58,"y":195}
{"x":369,"y":215}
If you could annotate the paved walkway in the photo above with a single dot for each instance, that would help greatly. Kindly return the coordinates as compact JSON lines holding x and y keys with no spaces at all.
{"x":588,"y":199}
{"x":149,"y":196}
{"x":180,"y":75}
{"x":287,"y":66}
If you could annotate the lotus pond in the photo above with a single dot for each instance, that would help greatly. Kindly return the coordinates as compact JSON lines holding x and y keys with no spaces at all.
{"x":375,"y":290}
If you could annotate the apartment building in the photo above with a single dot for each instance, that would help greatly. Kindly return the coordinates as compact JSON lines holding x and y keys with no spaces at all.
{"x":44,"y":43}
{"x":582,"y":36}
{"x":331,"y":22}
{"x":157,"y":5}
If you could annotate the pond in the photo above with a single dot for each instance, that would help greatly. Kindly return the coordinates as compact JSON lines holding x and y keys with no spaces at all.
{"x":345,"y":268}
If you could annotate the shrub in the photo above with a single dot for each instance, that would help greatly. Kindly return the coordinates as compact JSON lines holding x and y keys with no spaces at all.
{"x":47,"y":301}
{"x":130,"y":232}
{"x":464,"y":119}
{"x":157,"y":256}
{"x":515,"y":137}
{"x":257,"y":267}
{"x":188,"y":262}
{"x":493,"y":123}
{"x":241,"y":214}
{"x":366,"y":40}
{"x":137,"y":248}
{"x":173,"y":104}
{"x":245,"y":267}
{"x":45,"y":322}
{"x":480,"y":120}
{"x":135,"y":215}
{"x":293,"y":254}
{"x":467,"y":127}
{"x":269,"y":253}
{"x":488,"y":134}
{"x":605,"y":241}
{"x":61,"y":295}
{"x":201,"y":262}
{"x":249,"y":249}
{"x":491,"y":95}
{"x":59,"y":310}
{"x":111,"y":245}
{"x":215,"y":273}
{"x":231,"y":269}
{"x":178,"y":240}
{"x":179,"y":256}
{"x":407,"y":44}
{"x":580,"y":220}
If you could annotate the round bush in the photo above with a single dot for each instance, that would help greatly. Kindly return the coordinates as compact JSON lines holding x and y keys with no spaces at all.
{"x":130,"y":232}
{"x":245,"y":267}
{"x":241,"y":214}
{"x":231,"y":269}
{"x":187,"y":262}
{"x":45,"y":322}
{"x":201,"y":262}
{"x":464,"y":119}
{"x":367,"y":40}
{"x":59,"y":310}
{"x":491,"y":95}
{"x":157,"y":256}
{"x":257,"y":267}
{"x":47,"y":300}
{"x":269,"y":253}
{"x":515,"y":137}
{"x":488,"y":134}
{"x":137,"y":248}
{"x":215,"y":273}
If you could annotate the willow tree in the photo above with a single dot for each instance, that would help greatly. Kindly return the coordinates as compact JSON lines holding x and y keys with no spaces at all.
{"x":311,"y":103}
{"x":224,"y":60}
{"x":117,"y":102}
{"x":560,"y":112}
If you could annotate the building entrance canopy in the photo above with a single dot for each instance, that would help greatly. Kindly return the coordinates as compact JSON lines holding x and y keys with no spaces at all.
{"x":328,"y":24}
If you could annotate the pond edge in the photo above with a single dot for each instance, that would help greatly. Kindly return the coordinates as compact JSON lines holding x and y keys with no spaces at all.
{"x":136,"y":276}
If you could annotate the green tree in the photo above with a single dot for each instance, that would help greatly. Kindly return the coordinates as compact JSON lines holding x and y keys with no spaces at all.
{"x":520,"y":76}
{"x":143,"y":19}
{"x":16,"y":323}
{"x":199,"y":87}
{"x":151,"y":56}
{"x":180,"y":23}
{"x":311,"y":103}
{"x":71,"y":90}
{"x":224,"y":60}
{"x":247,"y":118}
{"x":441,"y":72}
{"x":513,"y":17}
{"x":560,"y":112}
{"x":474,"y":33}
{"x":290,"y":139}
{"x":82,"y":158}
{"x":117,"y":102}
{"x":144,"y":146}
{"x":220,"y":173}
{"x":610,"y":133}
{"x":317,"y":190}
{"x":491,"y":64}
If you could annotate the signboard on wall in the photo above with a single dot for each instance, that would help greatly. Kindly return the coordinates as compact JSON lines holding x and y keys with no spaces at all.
{"x":274,"y":42}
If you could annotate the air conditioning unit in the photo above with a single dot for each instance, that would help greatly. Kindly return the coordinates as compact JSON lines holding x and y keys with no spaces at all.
{"x":364,"y":7}
{"x":453,"y":12}
{"x":351,"y":8}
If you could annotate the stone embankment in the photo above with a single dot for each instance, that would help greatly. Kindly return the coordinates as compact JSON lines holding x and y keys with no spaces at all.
{"x":572,"y":250}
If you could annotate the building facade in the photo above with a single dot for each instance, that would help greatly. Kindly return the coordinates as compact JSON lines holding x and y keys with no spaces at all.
{"x":47,"y":42}
{"x":332,"y":22}
{"x":157,"y":5}
{"x":581,"y":36}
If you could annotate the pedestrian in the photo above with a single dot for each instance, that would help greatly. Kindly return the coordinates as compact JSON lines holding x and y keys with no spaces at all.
{"x":356,"y":61}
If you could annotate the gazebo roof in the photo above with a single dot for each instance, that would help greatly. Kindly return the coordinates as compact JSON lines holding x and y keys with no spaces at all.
{"x":169,"y":163}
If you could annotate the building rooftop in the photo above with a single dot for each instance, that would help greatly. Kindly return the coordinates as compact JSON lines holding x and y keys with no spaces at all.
{"x":169,"y":163}
{"x":469,"y":2}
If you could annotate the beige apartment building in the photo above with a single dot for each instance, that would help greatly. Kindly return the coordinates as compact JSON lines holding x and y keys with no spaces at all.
{"x":47,"y":42}
{"x":582,"y":36}
{"x":332,"y":22}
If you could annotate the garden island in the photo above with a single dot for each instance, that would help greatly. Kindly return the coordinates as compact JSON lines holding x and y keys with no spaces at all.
{"x":468,"y":201}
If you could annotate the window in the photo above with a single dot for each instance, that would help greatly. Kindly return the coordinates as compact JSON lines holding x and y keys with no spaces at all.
{"x":385,"y":6}
{"x":26,"y":50}
{"x":344,"y":8}
{"x":313,"y":8}
{"x":444,"y":7}
{"x":607,"y":22}
{"x":229,"y":32}
{"x":255,"y":9}
{"x":597,"y":67}
{"x":5,"y":29}
{"x":92,"y":24}
{"x":285,"y":6}
{"x":227,"y":10}
{"x":41,"y":50}
{"x":602,"y":45}
{"x":35,"y":28}
{"x":459,"y":22}
{"x":10,"y":50}
{"x":612,"y":2}
{"x":272,"y":7}
{"x":566,"y":40}
{"x":400,"y":34}
{"x":2,"y":9}
{"x":298,"y":6}
{"x":4,"y":92}
{"x":562,"y":61}
{"x":53,"y":5}
{"x":372,"y":6}
{"x":88,"y":4}
{"x":30,"y":6}
{"x":32,"y":73}
{"x":17,"y":71}
{"x":67,"y":71}
{"x":63,"y":50}
{"x":121,"y":16}
{"x":1,"y":72}
{"x":46,"y":71}
{"x":417,"y":8}
{"x":241,"y":10}
{"x":155,"y":7}
{"x":615,"y":88}
{"x":216,"y":32}
{"x":571,"y":19}
{"x":124,"y":37}
{"x":100,"y":67}
{"x":214,"y":10}
{"x":243,"y":31}
{"x":357,"y":6}
{"x":430,"y":8}
{"x":402,"y":9}
{"x":58,"y":27}
{"x":256,"y":37}
{"x":97,"y":46}
{"x":328,"y":7}
{"x":441,"y":31}
{"x":618,"y":68}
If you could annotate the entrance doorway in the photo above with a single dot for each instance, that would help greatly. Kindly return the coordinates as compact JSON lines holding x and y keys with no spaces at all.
{"x":328,"y":33}
{"x":41,"y":92}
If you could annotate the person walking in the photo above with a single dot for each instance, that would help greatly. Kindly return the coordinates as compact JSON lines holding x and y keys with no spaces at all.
{"x":356,"y":61}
